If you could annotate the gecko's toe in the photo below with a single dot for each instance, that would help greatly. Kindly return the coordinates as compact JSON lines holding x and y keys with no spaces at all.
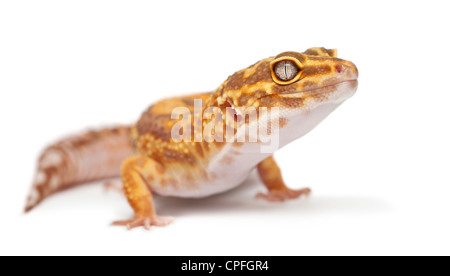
{"x":161,"y":221}
{"x":283,"y":195}
{"x":145,"y":222}
{"x":111,"y":186}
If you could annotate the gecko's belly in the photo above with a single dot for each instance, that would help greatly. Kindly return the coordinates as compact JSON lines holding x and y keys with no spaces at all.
{"x":228,"y":169}
{"x":214,"y":184}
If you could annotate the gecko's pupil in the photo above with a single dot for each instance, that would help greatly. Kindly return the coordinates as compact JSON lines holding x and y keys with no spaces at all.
{"x":286,"y":70}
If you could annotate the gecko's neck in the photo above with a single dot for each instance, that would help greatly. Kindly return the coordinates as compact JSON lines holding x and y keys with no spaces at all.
{"x":212,"y":101}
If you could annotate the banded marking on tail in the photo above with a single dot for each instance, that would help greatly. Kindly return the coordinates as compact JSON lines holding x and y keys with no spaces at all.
{"x":76,"y":160}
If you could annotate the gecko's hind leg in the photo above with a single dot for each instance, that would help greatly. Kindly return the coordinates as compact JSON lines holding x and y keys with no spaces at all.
{"x":278,"y":191}
{"x":135,"y":173}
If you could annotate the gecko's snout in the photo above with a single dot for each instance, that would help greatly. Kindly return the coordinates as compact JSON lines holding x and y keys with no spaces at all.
{"x":347,"y":70}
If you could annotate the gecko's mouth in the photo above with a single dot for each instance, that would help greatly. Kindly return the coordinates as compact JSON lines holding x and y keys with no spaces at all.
{"x":328,"y":89}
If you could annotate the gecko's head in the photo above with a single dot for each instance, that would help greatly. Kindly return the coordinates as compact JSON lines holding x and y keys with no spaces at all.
{"x":292,"y":80}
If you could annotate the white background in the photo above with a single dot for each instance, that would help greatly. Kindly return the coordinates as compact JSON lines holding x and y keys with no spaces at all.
{"x":378,"y":166}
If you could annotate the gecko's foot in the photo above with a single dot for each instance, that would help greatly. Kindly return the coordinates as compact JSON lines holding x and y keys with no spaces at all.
{"x":144,"y":221}
{"x":283,"y":195}
{"x":111,"y":186}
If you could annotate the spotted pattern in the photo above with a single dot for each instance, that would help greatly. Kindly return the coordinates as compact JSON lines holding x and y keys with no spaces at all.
{"x":251,"y":87}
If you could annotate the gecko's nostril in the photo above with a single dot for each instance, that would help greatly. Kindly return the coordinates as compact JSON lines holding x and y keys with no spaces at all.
{"x":347,"y":70}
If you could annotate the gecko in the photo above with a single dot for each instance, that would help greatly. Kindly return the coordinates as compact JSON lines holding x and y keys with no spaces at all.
{"x":151,"y":158}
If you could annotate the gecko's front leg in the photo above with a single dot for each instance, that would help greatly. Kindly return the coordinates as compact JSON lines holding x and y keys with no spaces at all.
{"x":271,"y":176}
{"x":135,"y":173}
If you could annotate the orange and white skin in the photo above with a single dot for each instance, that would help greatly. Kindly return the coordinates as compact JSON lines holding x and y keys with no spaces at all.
{"x":303,"y":87}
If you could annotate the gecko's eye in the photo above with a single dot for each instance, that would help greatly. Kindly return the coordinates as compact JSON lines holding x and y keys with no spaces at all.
{"x":285,"y":71}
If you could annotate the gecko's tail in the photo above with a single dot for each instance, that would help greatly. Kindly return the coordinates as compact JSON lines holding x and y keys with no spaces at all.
{"x":95,"y":155}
